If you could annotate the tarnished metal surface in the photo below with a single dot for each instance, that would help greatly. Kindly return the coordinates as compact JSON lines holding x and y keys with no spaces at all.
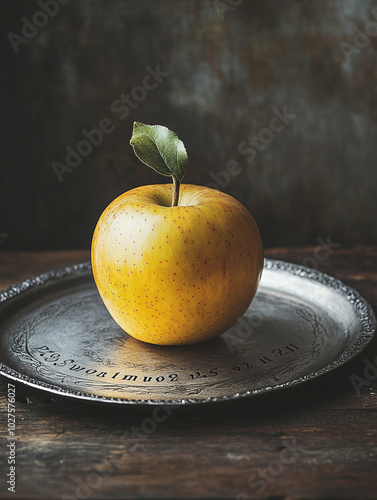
{"x":228,"y":68}
{"x":56,"y":334}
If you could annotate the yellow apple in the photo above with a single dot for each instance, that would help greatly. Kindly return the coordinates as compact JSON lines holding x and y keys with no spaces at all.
{"x":176,"y":274}
{"x":175,"y":264}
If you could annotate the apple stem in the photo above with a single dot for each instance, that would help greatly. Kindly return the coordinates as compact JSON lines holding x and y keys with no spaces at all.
{"x":175,"y":197}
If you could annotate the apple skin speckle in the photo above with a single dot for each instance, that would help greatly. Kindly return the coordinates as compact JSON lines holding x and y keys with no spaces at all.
{"x":176,"y":275}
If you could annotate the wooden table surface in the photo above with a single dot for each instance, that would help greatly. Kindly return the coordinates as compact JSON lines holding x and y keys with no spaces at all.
{"x":317,"y":440}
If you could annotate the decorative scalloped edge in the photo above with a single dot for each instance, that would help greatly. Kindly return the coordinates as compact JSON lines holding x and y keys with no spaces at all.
{"x":365,"y":312}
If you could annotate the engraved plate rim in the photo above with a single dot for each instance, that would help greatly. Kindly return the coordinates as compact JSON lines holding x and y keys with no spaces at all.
{"x":362,"y":308}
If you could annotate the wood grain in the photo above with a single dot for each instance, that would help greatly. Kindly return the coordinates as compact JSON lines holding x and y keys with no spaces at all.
{"x":310,"y":442}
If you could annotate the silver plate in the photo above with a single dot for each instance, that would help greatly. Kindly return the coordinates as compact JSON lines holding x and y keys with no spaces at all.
{"x":56,"y":335}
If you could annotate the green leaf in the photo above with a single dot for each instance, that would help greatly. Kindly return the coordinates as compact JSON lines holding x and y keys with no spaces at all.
{"x":159,"y":148}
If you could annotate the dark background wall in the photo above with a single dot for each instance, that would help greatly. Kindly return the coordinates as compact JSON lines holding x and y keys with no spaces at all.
{"x":227,"y":67}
